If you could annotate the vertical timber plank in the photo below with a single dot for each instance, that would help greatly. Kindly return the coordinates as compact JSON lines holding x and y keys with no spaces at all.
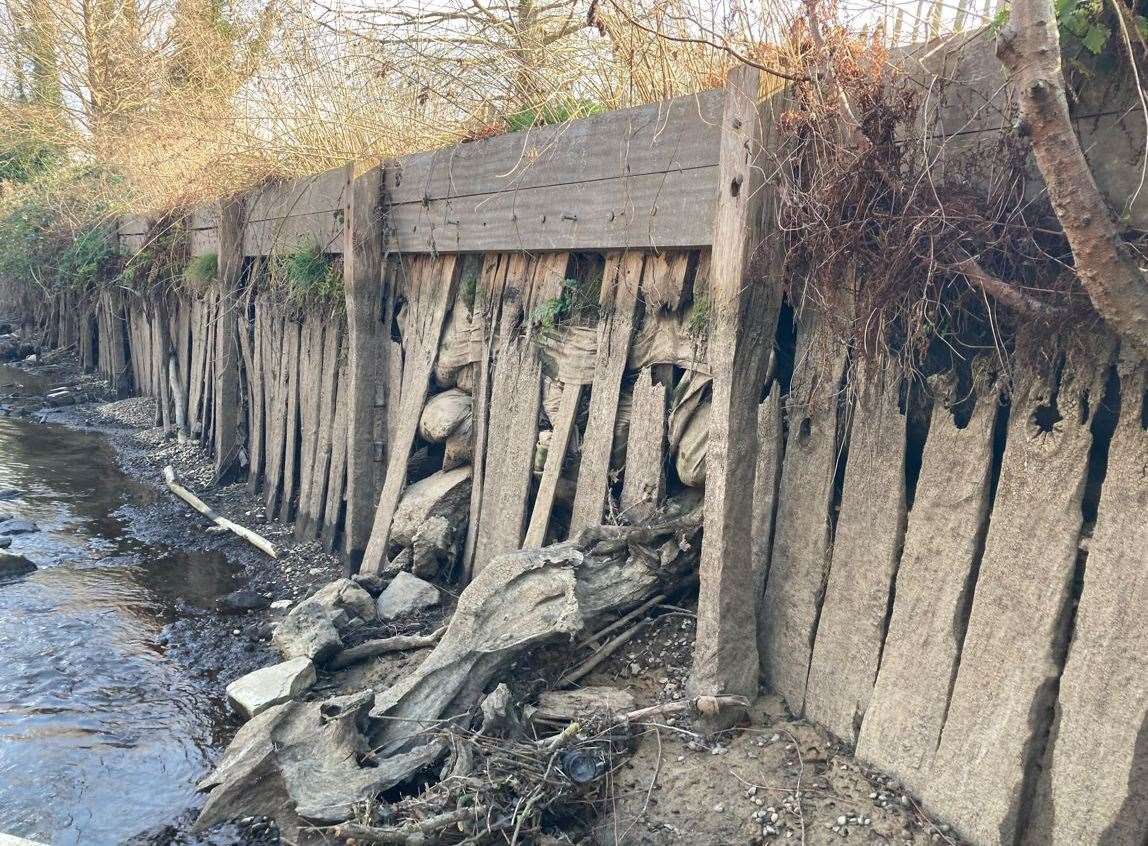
{"x":741,"y":337}
{"x":1010,"y":656}
{"x":431,"y":291}
{"x":902,"y":725}
{"x":555,"y":455}
{"x":620,"y":285}
{"x":1098,"y":787}
{"x":802,"y":543}
{"x":866,"y":550}
{"x":227,"y":397}
{"x":512,"y":417}
{"x":368,"y":334}
{"x":644,"y":482}
{"x":338,"y":480}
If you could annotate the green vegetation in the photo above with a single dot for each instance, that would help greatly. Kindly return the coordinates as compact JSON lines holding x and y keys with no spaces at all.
{"x":202,"y":271}
{"x":558,"y":111}
{"x":307,"y":275}
{"x":578,"y":302}
{"x":52,"y":233}
{"x":699,"y":316}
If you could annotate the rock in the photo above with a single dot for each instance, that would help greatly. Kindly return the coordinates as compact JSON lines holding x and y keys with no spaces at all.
{"x":299,"y":761}
{"x":308,"y":631}
{"x":396,"y":565}
{"x":9,"y":493}
{"x":433,"y":547}
{"x":499,"y":719}
{"x":313,"y":627}
{"x":5,"y":541}
{"x":61,"y":397}
{"x":281,"y":604}
{"x":242,"y":600}
{"x":255,"y":692}
{"x":444,"y":494}
{"x":444,"y":414}
{"x":12,"y":565}
{"x":371,"y":583}
{"x":406,"y":594}
{"x":18,"y":527}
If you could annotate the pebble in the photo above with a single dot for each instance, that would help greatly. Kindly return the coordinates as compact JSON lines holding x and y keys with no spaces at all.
{"x":719,"y":808}
{"x":841,"y":820}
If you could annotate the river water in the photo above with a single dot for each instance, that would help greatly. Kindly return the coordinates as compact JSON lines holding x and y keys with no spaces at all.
{"x":101,"y":737}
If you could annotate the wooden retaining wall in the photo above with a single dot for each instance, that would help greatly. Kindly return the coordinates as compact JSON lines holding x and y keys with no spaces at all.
{"x":953,"y":584}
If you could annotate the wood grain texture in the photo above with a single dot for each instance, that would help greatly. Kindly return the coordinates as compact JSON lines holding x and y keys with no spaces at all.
{"x":906,"y":712}
{"x":620,"y":285}
{"x":866,"y":550}
{"x":369,"y":294}
{"x":675,"y":134}
{"x":552,"y":470}
{"x":429,"y":293}
{"x":337,"y":478}
{"x":226,"y":392}
{"x":284,"y":215}
{"x":515,"y":401}
{"x":743,"y":318}
{"x":1010,"y":658}
{"x":644,"y":481}
{"x":1097,"y":791}
{"x":802,"y":543}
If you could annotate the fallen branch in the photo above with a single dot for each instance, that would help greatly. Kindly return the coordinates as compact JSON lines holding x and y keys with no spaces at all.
{"x":601,"y":654}
{"x":1009,"y":295}
{"x":381,"y":646}
{"x":258,"y":541}
{"x":414,"y":834}
{"x":704,"y":705}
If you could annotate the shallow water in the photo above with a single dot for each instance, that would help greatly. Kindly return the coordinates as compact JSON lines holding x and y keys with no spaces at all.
{"x":100,"y":736}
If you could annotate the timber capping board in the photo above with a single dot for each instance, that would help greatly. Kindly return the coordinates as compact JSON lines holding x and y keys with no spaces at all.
{"x":639,"y":177}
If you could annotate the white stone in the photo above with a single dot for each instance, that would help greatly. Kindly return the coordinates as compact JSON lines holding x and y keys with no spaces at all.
{"x":256,"y":692}
{"x":406,"y":594}
{"x":280,"y":604}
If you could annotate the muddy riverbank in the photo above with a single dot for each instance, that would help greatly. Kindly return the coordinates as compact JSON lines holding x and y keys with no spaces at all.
{"x":116,"y":649}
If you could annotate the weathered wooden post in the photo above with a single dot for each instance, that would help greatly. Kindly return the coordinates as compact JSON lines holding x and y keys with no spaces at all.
{"x":744,"y":317}
{"x":231,"y":222}
{"x":363,"y":222}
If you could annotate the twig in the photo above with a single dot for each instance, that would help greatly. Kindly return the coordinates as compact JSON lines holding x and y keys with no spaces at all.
{"x":258,"y":541}
{"x":617,"y":624}
{"x":381,"y":646}
{"x":601,"y":654}
{"x":700,"y":705}
{"x":412,"y":834}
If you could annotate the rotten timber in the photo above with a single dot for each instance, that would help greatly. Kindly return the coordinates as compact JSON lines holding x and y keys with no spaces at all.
{"x":619,"y":299}
{"x":802,"y":541}
{"x":984,"y":770}
{"x":430,"y":290}
{"x":907,"y":707}
{"x":866,"y":549}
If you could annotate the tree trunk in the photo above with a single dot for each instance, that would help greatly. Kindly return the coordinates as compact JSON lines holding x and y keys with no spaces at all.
{"x":1030,"y":49}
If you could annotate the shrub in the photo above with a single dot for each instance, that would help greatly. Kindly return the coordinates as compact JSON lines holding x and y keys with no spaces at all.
{"x":201,"y":271}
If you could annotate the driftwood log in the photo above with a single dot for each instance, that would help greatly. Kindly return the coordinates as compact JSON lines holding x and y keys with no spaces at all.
{"x":256,"y":540}
{"x":522,"y":599}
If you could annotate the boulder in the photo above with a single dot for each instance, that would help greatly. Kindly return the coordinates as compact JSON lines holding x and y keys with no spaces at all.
{"x":18,"y":527}
{"x":313,"y":628}
{"x":299,"y":762}
{"x":255,"y":692}
{"x":405,"y":595}
{"x":444,"y":494}
{"x":15,"y":565}
{"x":433,"y":548}
{"x":444,"y":414}
{"x":9,"y":493}
{"x":5,"y":541}
{"x":239,"y":601}
{"x":370,"y":582}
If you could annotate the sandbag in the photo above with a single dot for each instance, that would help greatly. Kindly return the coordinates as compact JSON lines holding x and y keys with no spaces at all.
{"x":461,"y":345}
{"x":668,"y":338}
{"x":569,"y":353}
{"x":444,"y":414}
{"x":690,"y":428}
